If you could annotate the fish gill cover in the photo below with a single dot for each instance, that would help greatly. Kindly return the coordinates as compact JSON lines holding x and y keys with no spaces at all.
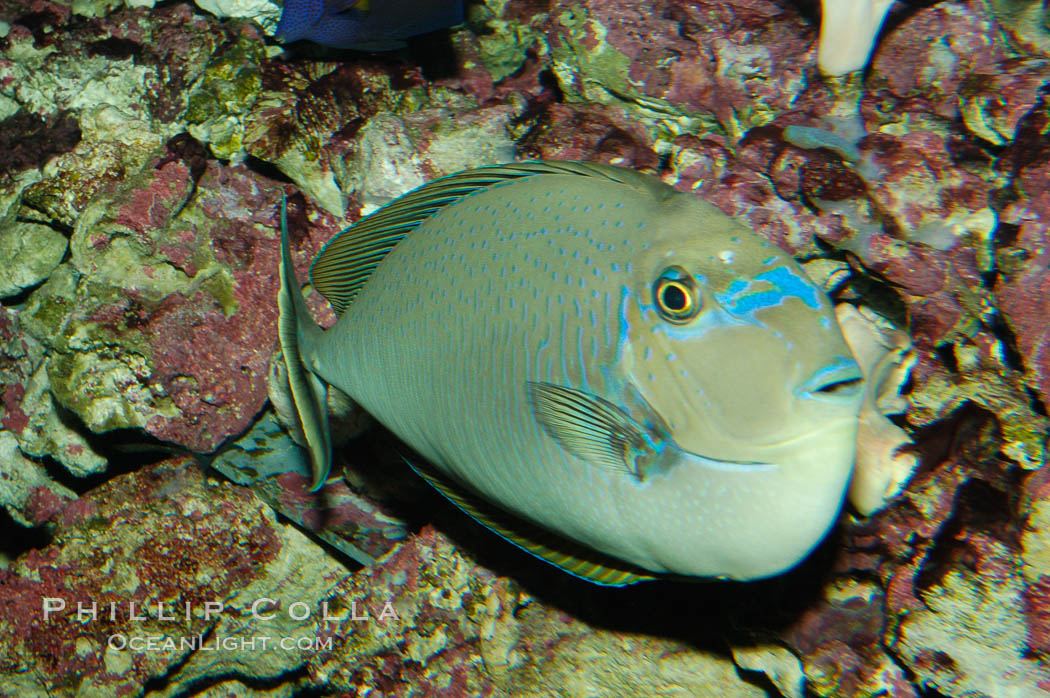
{"x":138,"y":327}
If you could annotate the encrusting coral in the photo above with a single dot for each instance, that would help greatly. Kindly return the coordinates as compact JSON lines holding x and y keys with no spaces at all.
{"x":156,"y":330}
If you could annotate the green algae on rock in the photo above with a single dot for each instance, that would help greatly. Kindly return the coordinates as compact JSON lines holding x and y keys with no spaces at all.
{"x":503,"y":43}
{"x":691,"y":56}
{"x":131,"y":320}
{"x":899,"y":593}
{"x":22,"y":484}
{"x":395,"y":154}
{"x":970,"y":636}
{"x":32,"y":251}
{"x":46,"y":434}
{"x":225,"y":93}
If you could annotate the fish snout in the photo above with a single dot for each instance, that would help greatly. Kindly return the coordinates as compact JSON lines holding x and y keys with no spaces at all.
{"x":839,"y":383}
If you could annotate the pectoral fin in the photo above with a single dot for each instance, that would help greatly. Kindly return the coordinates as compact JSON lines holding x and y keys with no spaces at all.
{"x":591,"y":428}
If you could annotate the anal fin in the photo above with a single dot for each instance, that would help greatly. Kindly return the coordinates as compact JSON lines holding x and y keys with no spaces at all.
{"x":561,"y":552}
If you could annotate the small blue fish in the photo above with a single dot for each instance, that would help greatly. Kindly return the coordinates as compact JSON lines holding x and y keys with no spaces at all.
{"x":366,"y":25}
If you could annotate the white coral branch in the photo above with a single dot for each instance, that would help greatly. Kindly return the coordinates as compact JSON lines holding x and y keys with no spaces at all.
{"x":886,"y":358}
{"x":848,"y":29}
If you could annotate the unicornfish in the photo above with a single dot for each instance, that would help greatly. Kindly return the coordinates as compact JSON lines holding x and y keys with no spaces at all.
{"x":609,"y":373}
{"x":368,"y":25}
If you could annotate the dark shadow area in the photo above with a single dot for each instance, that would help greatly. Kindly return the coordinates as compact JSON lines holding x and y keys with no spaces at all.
{"x":760,"y":681}
{"x":435,"y":54}
{"x":16,"y":539}
{"x":58,"y":226}
{"x":312,"y":692}
{"x":373,"y":468}
{"x":19,"y":300}
{"x":809,"y":10}
{"x":28,"y":140}
{"x":877,"y":293}
{"x":159,"y":683}
{"x":344,"y":559}
{"x":125,"y":450}
{"x":979,"y":506}
{"x":1012,"y":357}
{"x":1035,"y":402}
{"x":266,"y":169}
{"x":939,"y":441}
{"x":206,"y":684}
{"x":700,"y":612}
{"x":946,"y":354}
{"x":115,"y":48}
{"x":202,"y":685}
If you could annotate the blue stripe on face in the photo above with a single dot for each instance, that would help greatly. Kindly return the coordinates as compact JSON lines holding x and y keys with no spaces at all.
{"x":786,"y":284}
{"x":791,"y":284}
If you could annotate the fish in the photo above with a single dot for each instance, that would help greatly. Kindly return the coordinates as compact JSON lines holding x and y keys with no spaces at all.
{"x":609,"y":373}
{"x":366,"y":25}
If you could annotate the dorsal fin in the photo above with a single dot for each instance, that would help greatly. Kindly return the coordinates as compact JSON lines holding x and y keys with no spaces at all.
{"x":574,"y":558}
{"x":349,"y":258}
{"x":336,"y":6}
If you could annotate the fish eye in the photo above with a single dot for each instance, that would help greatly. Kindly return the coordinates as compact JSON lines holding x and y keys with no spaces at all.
{"x":676,"y":296}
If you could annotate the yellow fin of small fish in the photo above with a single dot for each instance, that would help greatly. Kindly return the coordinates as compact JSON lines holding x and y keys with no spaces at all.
{"x":362,"y":6}
{"x":587,"y":426}
{"x":309,"y":392}
{"x":575,"y":559}
{"x":349,"y":258}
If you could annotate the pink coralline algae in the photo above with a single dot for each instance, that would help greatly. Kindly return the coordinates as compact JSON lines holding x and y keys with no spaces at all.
{"x":916,"y":221}
{"x":133,"y":548}
{"x":843,"y":654}
{"x":27,"y":140}
{"x":1037,"y":565}
{"x":734,"y":65}
{"x":16,"y":366}
{"x":169,"y":279}
{"x":918,"y":69}
{"x":993,"y":102}
{"x":1023,"y":254}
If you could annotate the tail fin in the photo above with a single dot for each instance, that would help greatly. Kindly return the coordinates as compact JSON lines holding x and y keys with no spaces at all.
{"x":298,"y":332}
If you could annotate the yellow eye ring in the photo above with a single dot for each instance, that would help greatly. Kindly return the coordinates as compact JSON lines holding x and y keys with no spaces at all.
{"x":676,"y":296}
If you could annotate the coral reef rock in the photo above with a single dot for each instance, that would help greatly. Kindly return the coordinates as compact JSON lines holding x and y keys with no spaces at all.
{"x":148,"y":466}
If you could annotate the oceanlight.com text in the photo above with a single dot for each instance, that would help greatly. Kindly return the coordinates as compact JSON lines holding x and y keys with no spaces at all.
{"x":228,"y":643}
